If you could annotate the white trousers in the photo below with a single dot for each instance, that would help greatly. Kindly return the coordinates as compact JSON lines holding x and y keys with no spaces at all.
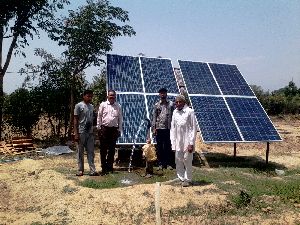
{"x":184,"y":165}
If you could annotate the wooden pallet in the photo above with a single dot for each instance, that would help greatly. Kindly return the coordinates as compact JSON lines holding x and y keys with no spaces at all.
{"x":19,"y":146}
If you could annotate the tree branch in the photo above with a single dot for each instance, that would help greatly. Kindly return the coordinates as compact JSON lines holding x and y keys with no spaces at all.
{"x":10,"y":51}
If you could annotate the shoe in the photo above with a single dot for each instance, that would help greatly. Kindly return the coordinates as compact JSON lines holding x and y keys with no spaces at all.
{"x":94,"y":174}
{"x":79,"y":174}
{"x":186,"y":184}
{"x":148,"y":175}
{"x":170,"y":167}
{"x":159,"y":168}
{"x":103,"y":173}
{"x":110,"y":171}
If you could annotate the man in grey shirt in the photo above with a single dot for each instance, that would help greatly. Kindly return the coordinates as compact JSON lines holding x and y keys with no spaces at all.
{"x":161,"y":124}
{"x":83,"y":128}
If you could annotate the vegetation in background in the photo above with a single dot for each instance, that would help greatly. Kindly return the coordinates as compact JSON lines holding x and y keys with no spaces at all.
{"x":19,"y":22}
{"x":22,"y":111}
{"x":286,"y":100}
{"x":98,"y":86}
{"x":53,"y":90}
{"x":86,"y":35}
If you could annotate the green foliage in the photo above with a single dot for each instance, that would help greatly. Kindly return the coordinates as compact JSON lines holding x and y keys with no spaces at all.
{"x":21,"y":110}
{"x":242,"y":199}
{"x":283,"y":101}
{"x":88,"y":32}
{"x":53,"y":89}
{"x":20,"y":19}
{"x":87,"y":35}
{"x":109,"y":183}
{"x":98,"y":87}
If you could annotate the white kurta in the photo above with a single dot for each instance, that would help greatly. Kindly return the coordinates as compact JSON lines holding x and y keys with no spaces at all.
{"x":183,"y":133}
{"x":183,"y":129}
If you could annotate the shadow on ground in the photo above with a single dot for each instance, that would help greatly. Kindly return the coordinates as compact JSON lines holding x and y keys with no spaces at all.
{"x":214,"y":160}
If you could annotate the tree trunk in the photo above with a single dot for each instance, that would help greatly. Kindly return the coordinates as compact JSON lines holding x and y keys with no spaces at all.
{"x":71,"y":111}
{"x":1,"y":103}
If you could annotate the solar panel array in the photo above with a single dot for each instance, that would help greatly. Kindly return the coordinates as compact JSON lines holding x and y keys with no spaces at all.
{"x":225,"y":106}
{"x":226,"y":109}
{"x":137,"y":81}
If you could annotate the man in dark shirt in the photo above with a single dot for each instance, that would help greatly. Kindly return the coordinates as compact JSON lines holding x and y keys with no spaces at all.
{"x":161,"y":124}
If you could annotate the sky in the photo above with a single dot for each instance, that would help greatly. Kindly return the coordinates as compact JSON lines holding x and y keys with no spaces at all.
{"x":261,"y":37}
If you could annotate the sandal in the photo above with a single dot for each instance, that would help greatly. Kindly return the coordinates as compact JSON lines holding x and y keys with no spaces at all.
{"x":94,"y":174}
{"x":79,"y":174}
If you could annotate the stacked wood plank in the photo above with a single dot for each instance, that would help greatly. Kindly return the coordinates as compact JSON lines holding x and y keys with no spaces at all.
{"x":6,"y":149}
{"x":19,"y":146}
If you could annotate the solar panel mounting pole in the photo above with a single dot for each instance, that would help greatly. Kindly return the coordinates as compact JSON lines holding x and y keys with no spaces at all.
{"x":267,"y":152}
{"x":234,"y":150}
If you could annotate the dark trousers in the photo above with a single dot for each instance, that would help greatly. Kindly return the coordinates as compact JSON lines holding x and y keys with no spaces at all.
{"x":165,"y":155}
{"x":149,"y":167}
{"x":108,"y":137}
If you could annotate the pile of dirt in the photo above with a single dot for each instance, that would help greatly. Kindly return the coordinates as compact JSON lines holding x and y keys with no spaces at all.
{"x":35,"y":191}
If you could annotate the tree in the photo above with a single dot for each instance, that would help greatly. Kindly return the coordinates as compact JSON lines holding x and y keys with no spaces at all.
{"x":98,"y":86}
{"x":87,"y":35}
{"x":52,"y":90}
{"x":20,"y":20}
{"x":21,"y":110}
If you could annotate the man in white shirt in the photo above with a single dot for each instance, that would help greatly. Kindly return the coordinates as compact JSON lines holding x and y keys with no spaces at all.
{"x":109,"y":125}
{"x":183,"y":135}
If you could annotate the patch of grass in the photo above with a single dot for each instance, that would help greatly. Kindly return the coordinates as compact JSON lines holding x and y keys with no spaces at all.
{"x":47,"y":214}
{"x":190,"y":209}
{"x":242,"y":199}
{"x":100,"y":184}
{"x":292,"y":172}
{"x":137,"y":218}
{"x":69,"y":190}
{"x":255,"y":184}
{"x":147,"y":194}
{"x":65,"y":170}
{"x":151,"y":208}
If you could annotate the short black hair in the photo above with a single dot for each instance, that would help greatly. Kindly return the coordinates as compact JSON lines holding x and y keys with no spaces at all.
{"x":111,"y":90}
{"x":87,"y":92}
{"x":162,"y":90}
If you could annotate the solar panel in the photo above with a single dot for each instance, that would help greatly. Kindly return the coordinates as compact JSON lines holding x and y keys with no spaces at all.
{"x":230,"y":80}
{"x":137,"y":81}
{"x":134,"y":112}
{"x":214,"y":119}
{"x":232,"y":115}
{"x":252,"y":120}
{"x":124,"y":74}
{"x":198,"y":78}
{"x":158,"y":73}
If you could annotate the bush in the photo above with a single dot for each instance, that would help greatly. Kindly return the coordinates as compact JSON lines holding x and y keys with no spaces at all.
{"x":21,"y":110}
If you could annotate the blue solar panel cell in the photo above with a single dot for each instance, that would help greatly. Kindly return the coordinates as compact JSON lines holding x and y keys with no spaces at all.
{"x":124,"y":74}
{"x":198,"y":78}
{"x":158,"y":73}
{"x":134,"y":113}
{"x":252,"y":120}
{"x":230,"y":80}
{"x":214,"y":119}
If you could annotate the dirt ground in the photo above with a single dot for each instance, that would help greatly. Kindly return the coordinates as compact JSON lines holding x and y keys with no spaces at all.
{"x":37,"y":192}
